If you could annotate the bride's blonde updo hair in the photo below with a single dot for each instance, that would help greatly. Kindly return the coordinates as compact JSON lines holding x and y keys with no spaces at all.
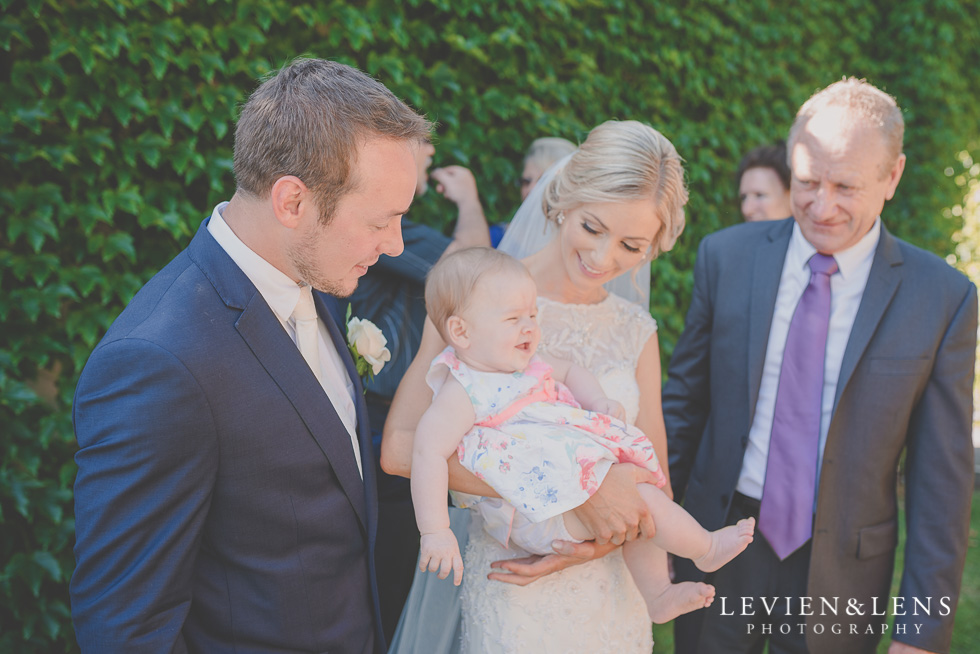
{"x":623,"y":161}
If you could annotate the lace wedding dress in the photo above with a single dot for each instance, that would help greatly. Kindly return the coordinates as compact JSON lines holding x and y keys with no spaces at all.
{"x":593,"y":607}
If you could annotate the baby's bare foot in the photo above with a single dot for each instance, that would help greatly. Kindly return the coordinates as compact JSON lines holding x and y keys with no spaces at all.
{"x":726,"y":544}
{"x":678,"y":599}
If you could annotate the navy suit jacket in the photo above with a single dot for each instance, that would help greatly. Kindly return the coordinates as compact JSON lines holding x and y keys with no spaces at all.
{"x":904,"y":385}
{"x":218,"y":504}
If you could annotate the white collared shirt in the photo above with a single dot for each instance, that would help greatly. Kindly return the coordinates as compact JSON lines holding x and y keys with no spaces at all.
{"x":282,"y":294}
{"x":846,"y":288}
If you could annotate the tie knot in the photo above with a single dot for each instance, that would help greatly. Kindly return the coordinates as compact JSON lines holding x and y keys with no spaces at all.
{"x":823,"y":263}
{"x":305,"y":309}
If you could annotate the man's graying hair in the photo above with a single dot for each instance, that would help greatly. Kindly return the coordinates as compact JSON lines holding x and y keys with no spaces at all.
{"x":546,"y":151}
{"x":307,"y":120}
{"x":864,"y":102}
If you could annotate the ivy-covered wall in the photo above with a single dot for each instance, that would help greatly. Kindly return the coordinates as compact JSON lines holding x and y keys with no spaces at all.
{"x":116,"y":122}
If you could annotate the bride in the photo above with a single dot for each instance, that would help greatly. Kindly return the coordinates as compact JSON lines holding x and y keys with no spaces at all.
{"x":602,"y":213}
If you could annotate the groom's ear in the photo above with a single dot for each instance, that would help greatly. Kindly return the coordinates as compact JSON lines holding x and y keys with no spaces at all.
{"x":290,"y":200}
{"x":457,"y":332}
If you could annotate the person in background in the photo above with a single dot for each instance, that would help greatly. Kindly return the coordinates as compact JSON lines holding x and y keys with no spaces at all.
{"x":763,"y":183}
{"x":391,"y":295}
{"x":542,"y":153}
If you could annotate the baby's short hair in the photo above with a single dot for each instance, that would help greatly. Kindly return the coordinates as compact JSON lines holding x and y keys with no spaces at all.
{"x":451,"y":282}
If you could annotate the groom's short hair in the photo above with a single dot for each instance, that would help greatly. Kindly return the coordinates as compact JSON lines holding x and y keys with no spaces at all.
{"x":308,"y":120}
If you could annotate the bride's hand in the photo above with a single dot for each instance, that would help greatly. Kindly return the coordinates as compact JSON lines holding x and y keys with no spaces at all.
{"x":616,"y":513}
{"x":523,"y":571}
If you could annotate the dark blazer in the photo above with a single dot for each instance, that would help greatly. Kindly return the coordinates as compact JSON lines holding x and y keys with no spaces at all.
{"x":218,"y":504}
{"x":905,"y":385}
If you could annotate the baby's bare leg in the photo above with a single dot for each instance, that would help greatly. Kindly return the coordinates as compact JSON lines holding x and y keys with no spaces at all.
{"x":647,"y":564}
{"x":680,"y":534}
{"x":665,"y":601}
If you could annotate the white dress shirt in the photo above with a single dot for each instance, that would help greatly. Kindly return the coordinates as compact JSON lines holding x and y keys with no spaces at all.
{"x":281,"y":294}
{"x":846,"y":288}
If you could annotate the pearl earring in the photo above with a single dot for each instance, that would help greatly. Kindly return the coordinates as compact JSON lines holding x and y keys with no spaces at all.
{"x":561,"y":218}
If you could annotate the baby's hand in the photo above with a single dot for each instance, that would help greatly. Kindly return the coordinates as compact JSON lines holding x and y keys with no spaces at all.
{"x":440,"y":553}
{"x":661,"y":478}
{"x":610,"y":407}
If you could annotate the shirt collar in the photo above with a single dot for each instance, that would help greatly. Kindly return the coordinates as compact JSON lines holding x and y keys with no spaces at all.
{"x":279,"y":291}
{"x":848,"y":261}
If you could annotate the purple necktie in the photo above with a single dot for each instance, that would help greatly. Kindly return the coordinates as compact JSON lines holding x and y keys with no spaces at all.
{"x":786,"y":514}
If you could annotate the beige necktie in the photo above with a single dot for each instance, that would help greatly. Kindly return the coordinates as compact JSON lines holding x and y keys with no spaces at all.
{"x":333,"y":382}
{"x":307,"y":337}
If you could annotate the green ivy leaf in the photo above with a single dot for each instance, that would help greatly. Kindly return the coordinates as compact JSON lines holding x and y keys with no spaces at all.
{"x":119,"y":243}
{"x":48,"y":563}
{"x":10,"y":32}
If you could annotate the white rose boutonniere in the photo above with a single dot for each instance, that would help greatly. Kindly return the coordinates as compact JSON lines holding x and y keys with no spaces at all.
{"x":367,"y":345}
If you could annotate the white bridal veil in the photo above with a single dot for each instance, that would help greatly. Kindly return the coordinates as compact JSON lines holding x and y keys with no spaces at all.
{"x":530,"y":231}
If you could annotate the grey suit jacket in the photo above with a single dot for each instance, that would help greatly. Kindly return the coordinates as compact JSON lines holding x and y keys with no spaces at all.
{"x":905,"y":385}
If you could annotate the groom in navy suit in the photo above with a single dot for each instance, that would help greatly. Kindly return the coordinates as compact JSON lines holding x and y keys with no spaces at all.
{"x":225,"y":499}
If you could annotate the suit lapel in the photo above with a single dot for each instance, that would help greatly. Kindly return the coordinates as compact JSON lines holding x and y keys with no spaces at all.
{"x":271,"y":345}
{"x":329,"y":309}
{"x":765,"y":284}
{"x":883,"y":282}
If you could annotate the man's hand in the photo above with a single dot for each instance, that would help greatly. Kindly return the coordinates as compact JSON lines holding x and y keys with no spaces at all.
{"x":523,"y":571}
{"x":440,"y":553}
{"x":616,"y":513}
{"x":901,"y":648}
{"x":456,"y":184}
{"x":610,"y":407}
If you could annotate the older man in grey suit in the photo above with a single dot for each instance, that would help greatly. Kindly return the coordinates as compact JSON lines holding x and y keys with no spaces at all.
{"x":816,"y":351}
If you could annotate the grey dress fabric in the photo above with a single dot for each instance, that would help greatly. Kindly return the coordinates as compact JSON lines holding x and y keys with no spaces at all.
{"x":430,"y":621}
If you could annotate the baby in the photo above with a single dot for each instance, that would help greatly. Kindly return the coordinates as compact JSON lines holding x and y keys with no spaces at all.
{"x":541,"y":433}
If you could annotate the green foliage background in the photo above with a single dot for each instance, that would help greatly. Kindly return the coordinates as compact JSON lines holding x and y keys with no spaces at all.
{"x":116,"y":123}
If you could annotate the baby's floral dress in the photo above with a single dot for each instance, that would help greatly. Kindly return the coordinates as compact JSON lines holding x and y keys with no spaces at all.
{"x":534,"y":444}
